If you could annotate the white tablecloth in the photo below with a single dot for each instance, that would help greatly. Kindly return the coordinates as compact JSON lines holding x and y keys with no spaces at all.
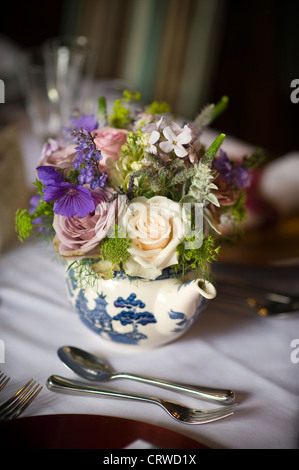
{"x":226,"y":348}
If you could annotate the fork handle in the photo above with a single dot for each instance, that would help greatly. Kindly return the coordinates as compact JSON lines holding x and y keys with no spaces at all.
{"x":226,"y":397}
{"x":64,"y":385}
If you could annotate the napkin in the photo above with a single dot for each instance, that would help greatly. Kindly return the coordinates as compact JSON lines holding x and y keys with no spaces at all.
{"x":279,"y":183}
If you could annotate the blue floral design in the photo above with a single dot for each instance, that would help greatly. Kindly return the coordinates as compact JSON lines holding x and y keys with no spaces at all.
{"x":100,"y":321}
{"x":183,"y":323}
{"x":127,"y":311}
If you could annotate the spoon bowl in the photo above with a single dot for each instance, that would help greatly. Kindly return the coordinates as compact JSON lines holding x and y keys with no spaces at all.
{"x":93,"y":368}
{"x":84,"y":364}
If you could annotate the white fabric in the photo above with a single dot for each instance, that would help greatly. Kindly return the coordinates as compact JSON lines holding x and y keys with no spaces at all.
{"x":226,"y":348}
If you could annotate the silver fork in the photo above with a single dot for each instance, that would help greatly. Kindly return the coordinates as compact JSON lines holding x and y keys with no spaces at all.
{"x":3,"y":380}
{"x":176,"y":411}
{"x":15,"y":405}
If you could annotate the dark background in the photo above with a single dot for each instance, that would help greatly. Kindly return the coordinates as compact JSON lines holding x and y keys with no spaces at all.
{"x":257,"y":60}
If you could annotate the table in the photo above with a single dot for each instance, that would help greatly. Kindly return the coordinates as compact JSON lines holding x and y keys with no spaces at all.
{"x":226,"y":348}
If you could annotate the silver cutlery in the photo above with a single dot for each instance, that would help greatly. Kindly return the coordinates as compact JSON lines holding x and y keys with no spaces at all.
{"x":3,"y":380}
{"x":178,"y":412}
{"x":93,"y":368}
{"x":264,"y":302}
{"x":15,"y":405}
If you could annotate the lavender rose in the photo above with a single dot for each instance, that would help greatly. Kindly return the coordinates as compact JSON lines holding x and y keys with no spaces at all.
{"x":79,"y":237}
{"x":55,"y":153}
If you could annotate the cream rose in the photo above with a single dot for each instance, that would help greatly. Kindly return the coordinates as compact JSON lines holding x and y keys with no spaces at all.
{"x":156,"y":227}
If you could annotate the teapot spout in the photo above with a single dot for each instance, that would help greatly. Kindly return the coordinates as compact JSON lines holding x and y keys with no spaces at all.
{"x":205,"y":288}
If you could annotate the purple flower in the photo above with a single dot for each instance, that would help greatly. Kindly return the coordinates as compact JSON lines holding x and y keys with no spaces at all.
{"x":222,"y":164}
{"x":49,"y":175}
{"x":85,"y":121}
{"x":99,"y":181}
{"x":233,"y":174}
{"x":241,"y":177}
{"x":39,"y":221}
{"x":70,"y":199}
{"x":34,"y":203}
{"x":87,"y":160}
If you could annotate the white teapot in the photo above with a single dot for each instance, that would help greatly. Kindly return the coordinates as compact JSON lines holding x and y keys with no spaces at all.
{"x":140,"y":313}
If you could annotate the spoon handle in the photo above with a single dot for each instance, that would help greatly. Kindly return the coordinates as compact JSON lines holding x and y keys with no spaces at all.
{"x":64,"y":385}
{"x":226,"y":397}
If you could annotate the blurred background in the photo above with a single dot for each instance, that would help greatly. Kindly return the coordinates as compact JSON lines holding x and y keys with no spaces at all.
{"x":187,"y":53}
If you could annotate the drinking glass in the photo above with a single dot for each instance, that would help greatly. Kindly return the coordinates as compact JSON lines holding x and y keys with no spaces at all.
{"x":70,"y":64}
{"x":58,"y":78}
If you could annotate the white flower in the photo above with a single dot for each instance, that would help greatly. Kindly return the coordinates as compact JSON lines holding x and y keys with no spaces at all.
{"x":154,"y":137}
{"x":175,"y":141}
{"x":156,"y":227}
{"x":156,"y":126}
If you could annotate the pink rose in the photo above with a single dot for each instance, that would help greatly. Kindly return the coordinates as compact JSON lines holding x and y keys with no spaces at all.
{"x":79,"y":237}
{"x":54,"y":153}
{"x":110,"y":140}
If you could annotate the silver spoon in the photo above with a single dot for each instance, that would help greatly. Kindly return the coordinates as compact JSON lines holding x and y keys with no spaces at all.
{"x":93,"y":368}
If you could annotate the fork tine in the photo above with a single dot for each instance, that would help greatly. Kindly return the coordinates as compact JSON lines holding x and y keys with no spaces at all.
{"x":27,"y":400}
{"x":208,"y":416}
{"x":19,"y":401}
{"x":3,"y":380}
{"x":220,"y":410}
{"x":14,"y":397}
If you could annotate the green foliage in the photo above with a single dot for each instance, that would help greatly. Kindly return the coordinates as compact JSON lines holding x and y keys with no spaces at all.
{"x":121,"y":112}
{"x":155,"y":177}
{"x":83,"y":273}
{"x":197,"y":259}
{"x":102,"y":111}
{"x":255,"y":160}
{"x":212,"y":150}
{"x":43,"y":211}
{"x":210,"y":112}
{"x":202,"y":186}
{"x":39,"y":187}
{"x":72,"y":176}
{"x":219,"y":108}
{"x":237,"y":213}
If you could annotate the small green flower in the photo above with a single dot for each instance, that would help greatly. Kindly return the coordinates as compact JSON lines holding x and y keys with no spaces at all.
{"x":121,"y":111}
{"x":132,"y":154}
{"x":157,"y":107}
{"x":115,"y":249}
{"x":23,"y":224}
{"x":104,"y":269}
{"x":120,"y":115}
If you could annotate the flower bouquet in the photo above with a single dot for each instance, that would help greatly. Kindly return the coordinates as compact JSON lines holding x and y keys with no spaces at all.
{"x":134,"y":193}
